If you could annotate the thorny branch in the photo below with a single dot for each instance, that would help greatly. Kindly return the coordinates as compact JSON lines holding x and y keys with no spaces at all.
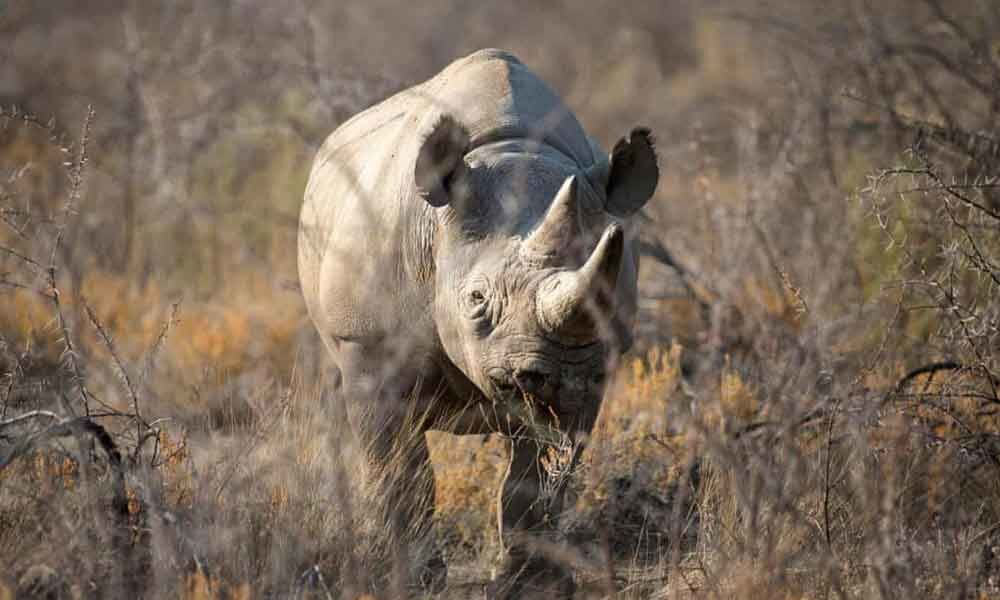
{"x":77,"y":172}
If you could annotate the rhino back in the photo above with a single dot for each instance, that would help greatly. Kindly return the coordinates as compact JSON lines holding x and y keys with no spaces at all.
{"x":497,"y":97}
{"x":366,"y":239}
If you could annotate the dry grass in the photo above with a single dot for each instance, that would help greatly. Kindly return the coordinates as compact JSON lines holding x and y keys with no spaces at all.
{"x":810,"y":409}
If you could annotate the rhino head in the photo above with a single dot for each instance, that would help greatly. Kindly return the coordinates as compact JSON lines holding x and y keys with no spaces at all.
{"x":535,"y":281}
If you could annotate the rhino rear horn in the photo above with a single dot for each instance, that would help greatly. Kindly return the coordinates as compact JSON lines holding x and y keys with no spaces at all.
{"x":560,"y":226}
{"x":634,"y":173}
{"x":441,"y":153}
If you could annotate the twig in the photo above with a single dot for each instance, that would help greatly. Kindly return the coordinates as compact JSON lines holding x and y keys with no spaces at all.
{"x":27,"y":416}
{"x":38,"y":268}
{"x":123,"y":376}
{"x":76,"y":182}
{"x":659,"y":252}
{"x":154,"y":350}
{"x":948,"y":365}
{"x":826,"y":475}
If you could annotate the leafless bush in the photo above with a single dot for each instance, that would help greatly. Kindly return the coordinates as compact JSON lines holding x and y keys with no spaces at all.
{"x":823,"y":255}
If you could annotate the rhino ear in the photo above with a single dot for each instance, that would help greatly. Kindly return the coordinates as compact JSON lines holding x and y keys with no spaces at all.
{"x":634,"y":173}
{"x":441,"y":152}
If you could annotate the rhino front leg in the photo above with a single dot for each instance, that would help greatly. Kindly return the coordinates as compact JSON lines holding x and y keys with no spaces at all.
{"x":528,"y":512}
{"x":386,"y":420}
{"x":403,"y":482}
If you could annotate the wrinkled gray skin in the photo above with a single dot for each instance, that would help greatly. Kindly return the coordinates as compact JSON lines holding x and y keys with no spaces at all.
{"x":464,"y":256}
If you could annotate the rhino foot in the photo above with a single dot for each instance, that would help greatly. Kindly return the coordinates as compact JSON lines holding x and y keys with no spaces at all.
{"x":433,"y":575}
{"x":531,"y":578}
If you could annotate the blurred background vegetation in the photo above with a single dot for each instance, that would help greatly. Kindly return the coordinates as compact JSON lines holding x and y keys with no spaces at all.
{"x":819,"y":294}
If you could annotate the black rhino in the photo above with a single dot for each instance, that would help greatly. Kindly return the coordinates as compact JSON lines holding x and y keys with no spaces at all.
{"x":463,"y":252}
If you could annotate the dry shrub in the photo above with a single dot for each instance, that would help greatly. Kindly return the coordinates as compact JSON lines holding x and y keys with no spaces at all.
{"x":792,"y":449}
{"x":468,"y":471}
{"x":198,"y":586}
{"x":65,"y":498}
{"x":634,"y":490}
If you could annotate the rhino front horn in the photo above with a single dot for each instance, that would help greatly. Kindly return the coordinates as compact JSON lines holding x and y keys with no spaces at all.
{"x":574,"y":305}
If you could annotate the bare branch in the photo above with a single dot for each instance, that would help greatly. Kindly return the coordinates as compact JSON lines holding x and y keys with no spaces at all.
{"x":929,"y":369}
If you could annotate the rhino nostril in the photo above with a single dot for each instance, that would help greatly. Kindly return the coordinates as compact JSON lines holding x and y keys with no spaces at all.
{"x":532,"y":382}
{"x":501,"y":381}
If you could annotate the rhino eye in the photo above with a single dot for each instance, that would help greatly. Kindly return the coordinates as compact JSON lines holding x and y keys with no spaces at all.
{"x":476,"y":305}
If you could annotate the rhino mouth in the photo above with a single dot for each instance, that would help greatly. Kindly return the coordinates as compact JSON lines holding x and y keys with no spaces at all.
{"x":537,"y":403}
{"x":516,"y":399}
{"x":501,"y":384}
